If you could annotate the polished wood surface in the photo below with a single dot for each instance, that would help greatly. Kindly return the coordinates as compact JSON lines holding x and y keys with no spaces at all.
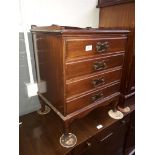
{"x":105,"y":3}
{"x":40,"y":134}
{"x":72,"y":31}
{"x":109,"y":142}
{"x":64,"y":55}
{"x":87,"y":66}
{"x":87,"y":83}
{"x":123,"y":16}
{"x":98,"y":96}
{"x":77,"y":47}
{"x":51,"y":67}
{"x":117,"y":16}
{"x":128,"y":77}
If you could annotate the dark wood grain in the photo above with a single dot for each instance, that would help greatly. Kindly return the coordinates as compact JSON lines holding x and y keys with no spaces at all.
{"x":127,"y":87}
{"x":71,"y":31}
{"x":79,"y":102}
{"x":77,"y":47}
{"x":105,"y":3}
{"x":87,"y":83}
{"x":109,"y":142}
{"x":40,"y":134}
{"x":79,"y":68}
{"x":62,"y":57}
{"x":50,"y":55}
{"x":123,"y":16}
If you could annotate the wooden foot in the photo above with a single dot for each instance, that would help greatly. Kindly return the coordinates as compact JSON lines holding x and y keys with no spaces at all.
{"x":114,"y":112}
{"x":114,"y":105}
{"x":124,"y":109}
{"x":44,"y":108}
{"x":67,"y":139}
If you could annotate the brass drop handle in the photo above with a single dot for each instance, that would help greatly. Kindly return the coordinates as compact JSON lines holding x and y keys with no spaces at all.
{"x":97,"y":82}
{"x":102,"y":46}
{"x":99,"y":65}
{"x":97,"y":96}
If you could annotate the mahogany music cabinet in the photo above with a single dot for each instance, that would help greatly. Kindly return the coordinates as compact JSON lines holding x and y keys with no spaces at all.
{"x":82,"y":68}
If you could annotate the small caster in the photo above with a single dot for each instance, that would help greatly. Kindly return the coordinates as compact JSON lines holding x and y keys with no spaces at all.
{"x":68,"y":140}
{"x":46,"y":111}
{"x":115,"y":114}
{"x":124,"y":110}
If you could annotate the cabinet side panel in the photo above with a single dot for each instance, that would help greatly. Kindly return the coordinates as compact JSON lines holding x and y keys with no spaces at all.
{"x":50,"y":58}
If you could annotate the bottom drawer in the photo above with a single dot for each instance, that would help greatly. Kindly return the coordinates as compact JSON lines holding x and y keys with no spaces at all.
{"x":98,"y":96}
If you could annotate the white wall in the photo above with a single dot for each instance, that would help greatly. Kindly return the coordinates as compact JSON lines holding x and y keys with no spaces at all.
{"x":81,"y":13}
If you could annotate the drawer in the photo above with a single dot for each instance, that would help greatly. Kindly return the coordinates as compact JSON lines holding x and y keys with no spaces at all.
{"x":94,"y":97}
{"x":109,"y":141}
{"x":92,"y":82}
{"x":84,"y":47}
{"x":112,"y":130}
{"x":88,"y":66}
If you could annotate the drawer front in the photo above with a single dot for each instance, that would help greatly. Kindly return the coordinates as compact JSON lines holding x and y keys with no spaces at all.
{"x":91,"y":82}
{"x":76,"y":103}
{"x":112,"y":130}
{"x":78,"y":68}
{"x":109,"y":141}
{"x":93,"y":46}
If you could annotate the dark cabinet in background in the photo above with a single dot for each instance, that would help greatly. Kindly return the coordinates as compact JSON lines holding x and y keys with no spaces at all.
{"x":103,"y":3}
{"x":130,"y":137}
{"x":121,"y":14}
{"x":113,"y":140}
{"x":111,"y":144}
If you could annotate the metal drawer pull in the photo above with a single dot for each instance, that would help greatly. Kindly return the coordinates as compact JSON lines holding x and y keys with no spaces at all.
{"x":98,"y":81}
{"x":106,"y":137}
{"x":102,"y":46}
{"x":99,"y":65}
{"x":97,"y":96}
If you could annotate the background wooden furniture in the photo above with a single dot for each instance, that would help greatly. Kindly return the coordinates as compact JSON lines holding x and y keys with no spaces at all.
{"x":121,"y":14}
{"x":82,"y":68}
{"x":104,"y":3}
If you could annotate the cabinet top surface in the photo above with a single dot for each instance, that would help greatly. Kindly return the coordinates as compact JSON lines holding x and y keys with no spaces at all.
{"x":74,"y":30}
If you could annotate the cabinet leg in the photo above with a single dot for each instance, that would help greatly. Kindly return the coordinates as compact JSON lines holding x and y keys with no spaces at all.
{"x":44,"y":108}
{"x":122,"y":106}
{"x":114,"y":113}
{"x":124,"y":109}
{"x":67,"y":139}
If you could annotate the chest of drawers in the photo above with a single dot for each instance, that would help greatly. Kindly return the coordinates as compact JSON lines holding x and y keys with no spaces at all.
{"x":81,"y":67}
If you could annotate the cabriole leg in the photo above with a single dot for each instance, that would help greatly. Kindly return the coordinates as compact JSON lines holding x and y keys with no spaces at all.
{"x":123,"y":107}
{"x":114,"y":113}
{"x":44,"y":108}
{"x":67,"y":139}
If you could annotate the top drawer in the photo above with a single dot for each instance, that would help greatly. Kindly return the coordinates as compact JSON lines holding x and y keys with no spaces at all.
{"x":83,"y":47}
